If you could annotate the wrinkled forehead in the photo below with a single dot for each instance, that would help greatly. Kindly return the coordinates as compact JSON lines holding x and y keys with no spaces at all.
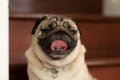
{"x":59,"y":20}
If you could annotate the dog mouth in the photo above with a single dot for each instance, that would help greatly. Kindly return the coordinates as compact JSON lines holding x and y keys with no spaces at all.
{"x":57,"y":45}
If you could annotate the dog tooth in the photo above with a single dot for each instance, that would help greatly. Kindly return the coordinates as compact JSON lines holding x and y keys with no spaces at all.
{"x":57,"y":49}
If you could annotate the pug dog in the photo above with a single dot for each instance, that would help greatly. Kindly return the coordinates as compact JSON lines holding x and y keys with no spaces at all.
{"x":56,"y":51}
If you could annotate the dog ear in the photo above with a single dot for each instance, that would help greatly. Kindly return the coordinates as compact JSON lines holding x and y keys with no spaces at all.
{"x":37,"y":23}
{"x":75,"y":21}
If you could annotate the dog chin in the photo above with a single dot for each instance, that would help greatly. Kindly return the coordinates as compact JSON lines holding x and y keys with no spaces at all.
{"x":58,"y":55}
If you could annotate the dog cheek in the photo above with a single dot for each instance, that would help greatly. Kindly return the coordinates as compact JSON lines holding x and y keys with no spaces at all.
{"x":76,"y":37}
{"x":78,"y":34}
{"x":40,"y":33}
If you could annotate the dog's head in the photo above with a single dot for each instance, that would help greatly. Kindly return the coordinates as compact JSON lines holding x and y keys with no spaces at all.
{"x":56,"y":37}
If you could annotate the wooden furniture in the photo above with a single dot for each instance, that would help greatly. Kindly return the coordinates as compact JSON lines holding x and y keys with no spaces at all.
{"x":100,"y":35}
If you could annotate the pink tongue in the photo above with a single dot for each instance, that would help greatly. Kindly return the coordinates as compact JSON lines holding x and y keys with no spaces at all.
{"x":58,"y":45}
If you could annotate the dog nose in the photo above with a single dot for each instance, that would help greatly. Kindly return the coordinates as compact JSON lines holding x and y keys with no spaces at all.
{"x":60,"y":32}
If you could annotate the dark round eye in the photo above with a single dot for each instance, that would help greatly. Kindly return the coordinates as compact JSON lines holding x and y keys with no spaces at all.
{"x":72,"y":31}
{"x":49,"y":27}
{"x":46,"y":29}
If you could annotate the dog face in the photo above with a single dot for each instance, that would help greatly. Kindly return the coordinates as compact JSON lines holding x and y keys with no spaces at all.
{"x":56,"y":36}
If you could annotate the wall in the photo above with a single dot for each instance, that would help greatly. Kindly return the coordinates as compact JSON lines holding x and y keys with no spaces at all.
{"x":56,"y":6}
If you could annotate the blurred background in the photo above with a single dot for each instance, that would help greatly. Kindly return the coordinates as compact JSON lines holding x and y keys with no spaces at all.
{"x":99,"y":21}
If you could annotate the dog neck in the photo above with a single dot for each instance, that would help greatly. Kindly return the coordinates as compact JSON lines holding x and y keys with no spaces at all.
{"x":37,"y":68}
{"x":77,"y":65}
{"x":55,"y":70}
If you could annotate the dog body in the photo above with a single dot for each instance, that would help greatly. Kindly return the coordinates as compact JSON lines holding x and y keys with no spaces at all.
{"x":56,"y":53}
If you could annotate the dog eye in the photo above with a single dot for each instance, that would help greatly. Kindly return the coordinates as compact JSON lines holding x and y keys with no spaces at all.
{"x":72,"y":31}
{"x":46,"y":29}
{"x":49,"y":27}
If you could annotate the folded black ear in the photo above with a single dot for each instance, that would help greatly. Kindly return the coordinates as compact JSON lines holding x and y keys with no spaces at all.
{"x":36,"y":24}
{"x":75,"y":21}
